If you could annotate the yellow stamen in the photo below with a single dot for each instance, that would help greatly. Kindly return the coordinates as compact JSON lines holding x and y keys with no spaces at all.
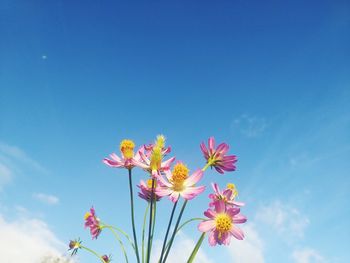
{"x":179,"y":175}
{"x":87,"y":214}
{"x":149,"y":183}
{"x":160,"y":142}
{"x":156,"y":158}
{"x":233,"y":188}
{"x":127,"y":148}
{"x":223,"y":223}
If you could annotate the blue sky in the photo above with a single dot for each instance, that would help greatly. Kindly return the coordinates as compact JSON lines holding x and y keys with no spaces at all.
{"x":270,"y":78}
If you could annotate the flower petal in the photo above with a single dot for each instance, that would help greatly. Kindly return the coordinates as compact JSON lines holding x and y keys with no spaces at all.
{"x":206,"y":226}
{"x":237,"y":233}
{"x":194,"y":178}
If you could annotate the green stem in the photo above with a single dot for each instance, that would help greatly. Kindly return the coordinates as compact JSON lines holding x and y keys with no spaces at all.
{"x":175,"y":230}
{"x":196,"y":248}
{"x":143,"y":234}
{"x":150,"y":224}
{"x":121,"y":232}
{"x":119,"y":240}
{"x":154,"y":222}
{"x":206,"y":166}
{"x":167,"y":231}
{"x":133,"y":217}
{"x":93,"y":252}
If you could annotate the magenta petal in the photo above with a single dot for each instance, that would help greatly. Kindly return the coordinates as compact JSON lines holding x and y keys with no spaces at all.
{"x":210,"y":213}
{"x":194,"y":178}
{"x":212,"y":239}
{"x":237,"y":233}
{"x":206,"y":226}
{"x":239,"y":219}
{"x":220,"y":206}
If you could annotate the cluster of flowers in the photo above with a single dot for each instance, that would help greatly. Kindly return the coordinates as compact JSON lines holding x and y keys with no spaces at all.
{"x":173,"y":180}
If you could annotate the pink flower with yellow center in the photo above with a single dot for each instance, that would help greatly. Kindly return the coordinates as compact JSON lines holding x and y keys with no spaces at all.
{"x":146,"y":190}
{"x":152,"y":159}
{"x":178,"y":183}
{"x":222,"y":224}
{"x":127,"y":156}
{"x":227,"y":196}
{"x":92,"y":222}
{"x":217,"y":158}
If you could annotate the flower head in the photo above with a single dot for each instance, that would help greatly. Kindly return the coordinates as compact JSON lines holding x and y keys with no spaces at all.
{"x":146,"y":190}
{"x":227,"y":196}
{"x":178,"y":183}
{"x":217,"y":158}
{"x":127,"y":156}
{"x":106,"y":258}
{"x":151,"y":157}
{"x":74,"y":245}
{"x":92,"y":222}
{"x":221,"y":224}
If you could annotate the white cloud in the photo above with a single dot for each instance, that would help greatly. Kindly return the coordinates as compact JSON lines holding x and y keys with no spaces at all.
{"x":249,"y":250}
{"x":307,"y":255}
{"x":18,"y":155}
{"x":5,"y":175}
{"x":249,"y":126}
{"x":27,"y":240}
{"x":180,"y":251}
{"x":47,"y":199}
{"x":289,"y":222}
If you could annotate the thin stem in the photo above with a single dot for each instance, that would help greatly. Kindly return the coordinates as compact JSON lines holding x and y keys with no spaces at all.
{"x":206,"y":166}
{"x":167,"y":231}
{"x":196,"y":248}
{"x":93,"y":252}
{"x":175,"y":230}
{"x":132,"y":217}
{"x":150,"y":224}
{"x":119,"y":240}
{"x":143,"y":234}
{"x":154,"y":222}
{"x":121,"y":232}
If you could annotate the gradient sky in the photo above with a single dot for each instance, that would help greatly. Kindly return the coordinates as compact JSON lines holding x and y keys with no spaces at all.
{"x":271,"y":78}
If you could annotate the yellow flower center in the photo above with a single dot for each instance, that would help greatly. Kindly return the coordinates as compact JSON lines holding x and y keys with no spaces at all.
{"x":127,"y":148}
{"x":149,"y":183}
{"x":179,"y":175}
{"x":233,"y":188}
{"x":160,"y":142}
{"x":87,"y":215}
{"x":223,"y":222}
{"x":156,"y":158}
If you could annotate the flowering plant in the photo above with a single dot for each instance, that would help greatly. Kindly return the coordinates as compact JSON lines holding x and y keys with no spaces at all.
{"x":166,"y":179}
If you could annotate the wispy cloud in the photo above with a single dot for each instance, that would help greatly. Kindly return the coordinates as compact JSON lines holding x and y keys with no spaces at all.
{"x":18,"y":155}
{"x":5,"y":175}
{"x":288,"y":221}
{"x":27,"y":240}
{"x":249,"y":250}
{"x":307,"y":255}
{"x":249,"y":126}
{"x":46,"y":198}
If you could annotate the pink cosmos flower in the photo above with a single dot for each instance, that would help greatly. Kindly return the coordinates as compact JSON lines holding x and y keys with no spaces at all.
{"x":106,"y":258}
{"x":227,"y":196}
{"x":222,"y":224}
{"x":92,"y":222}
{"x":151,"y":157}
{"x":146,"y":190}
{"x":217,"y":158}
{"x":178,"y":183}
{"x":127,"y":158}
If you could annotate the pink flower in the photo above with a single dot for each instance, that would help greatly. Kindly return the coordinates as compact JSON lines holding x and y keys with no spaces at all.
{"x":74,"y":245}
{"x":227,"y":196}
{"x":146,"y":190}
{"x":222,"y":224}
{"x":106,"y":258}
{"x":92,"y":222}
{"x":151,"y":160}
{"x":127,"y":158}
{"x":178,"y":183}
{"x":217,"y":158}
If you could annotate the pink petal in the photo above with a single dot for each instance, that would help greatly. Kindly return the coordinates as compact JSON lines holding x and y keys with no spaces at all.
{"x":191,"y":192}
{"x":215,"y":188}
{"x":206,"y":226}
{"x":174,"y":196}
{"x":163,"y":191}
{"x":194,"y":178}
{"x":166,"y":164}
{"x":212,"y":239}
{"x":239,"y":219}
{"x":220,"y":206}
{"x":233,"y":211}
{"x":164,"y":182}
{"x":210,"y":213}
{"x":112,"y":163}
{"x":237,"y":233}
{"x":211,"y":144}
